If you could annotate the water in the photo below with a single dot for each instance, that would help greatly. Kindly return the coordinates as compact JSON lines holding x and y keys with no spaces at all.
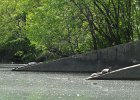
{"x":63,"y":86}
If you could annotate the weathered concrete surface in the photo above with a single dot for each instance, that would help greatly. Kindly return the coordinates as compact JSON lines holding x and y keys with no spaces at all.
{"x":127,"y":73}
{"x":61,"y":65}
{"x":117,"y":57}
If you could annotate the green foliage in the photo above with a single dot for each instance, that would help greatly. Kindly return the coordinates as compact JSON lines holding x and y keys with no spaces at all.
{"x":60,"y":28}
{"x":110,"y":22}
{"x":17,"y":50}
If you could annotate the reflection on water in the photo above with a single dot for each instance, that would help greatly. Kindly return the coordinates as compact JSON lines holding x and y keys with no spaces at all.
{"x":63,"y":86}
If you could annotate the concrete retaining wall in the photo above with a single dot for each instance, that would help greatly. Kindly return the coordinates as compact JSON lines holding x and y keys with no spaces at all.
{"x":117,"y":57}
{"x":127,"y":73}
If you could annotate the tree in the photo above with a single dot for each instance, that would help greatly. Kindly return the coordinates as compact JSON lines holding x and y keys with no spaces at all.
{"x":60,"y":28}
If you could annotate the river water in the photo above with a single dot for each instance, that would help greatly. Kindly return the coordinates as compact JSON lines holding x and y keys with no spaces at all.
{"x":63,"y":86}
